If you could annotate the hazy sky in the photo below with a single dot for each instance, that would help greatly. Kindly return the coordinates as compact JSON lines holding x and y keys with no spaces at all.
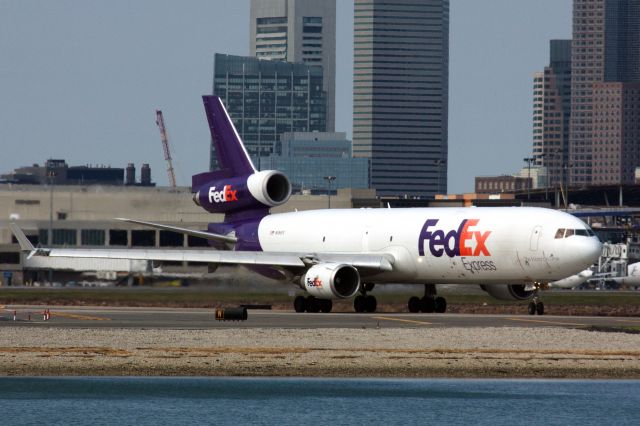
{"x":81,"y":79}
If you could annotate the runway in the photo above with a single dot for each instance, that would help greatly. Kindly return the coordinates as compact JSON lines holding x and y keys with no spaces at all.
{"x":185,"y":318}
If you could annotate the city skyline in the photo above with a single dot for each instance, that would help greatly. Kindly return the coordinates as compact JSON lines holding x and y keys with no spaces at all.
{"x":84,"y":80}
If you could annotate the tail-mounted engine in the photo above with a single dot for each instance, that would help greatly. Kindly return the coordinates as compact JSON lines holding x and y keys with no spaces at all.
{"x":508,"y":292}
{"x":268,"y":188}
{"x":331,"y":281}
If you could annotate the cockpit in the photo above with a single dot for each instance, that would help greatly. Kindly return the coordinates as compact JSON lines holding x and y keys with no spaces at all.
{"x":569,"y":232}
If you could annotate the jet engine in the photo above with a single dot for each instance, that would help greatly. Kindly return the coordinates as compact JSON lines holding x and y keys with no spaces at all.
{"x":508,"y":292}
{"x":331,"y":280}
{"x":268,"y":188}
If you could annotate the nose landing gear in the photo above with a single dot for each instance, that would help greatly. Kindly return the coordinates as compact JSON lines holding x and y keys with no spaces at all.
{"x":536,"y":306}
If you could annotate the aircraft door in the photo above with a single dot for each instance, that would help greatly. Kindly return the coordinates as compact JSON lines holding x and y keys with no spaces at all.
{"x":535,"y":238}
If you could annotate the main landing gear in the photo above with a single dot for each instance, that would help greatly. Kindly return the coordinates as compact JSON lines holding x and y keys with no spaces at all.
{"x":312,"y":304}
{"x":429,"y":303}
{"x":364,"y":302}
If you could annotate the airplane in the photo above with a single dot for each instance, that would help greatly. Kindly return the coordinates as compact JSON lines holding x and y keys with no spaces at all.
{"x":631,"y":280}
{"x":333,"y":254}
{"x":573,"y":281}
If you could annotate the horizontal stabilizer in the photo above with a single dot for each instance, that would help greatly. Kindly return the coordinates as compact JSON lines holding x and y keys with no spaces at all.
{"x":186,"y":231}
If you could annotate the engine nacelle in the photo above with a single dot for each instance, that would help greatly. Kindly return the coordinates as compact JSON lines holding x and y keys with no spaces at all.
{"x":508,"y":292}
{"x":268,"y":188}
{"x":331,"y":281}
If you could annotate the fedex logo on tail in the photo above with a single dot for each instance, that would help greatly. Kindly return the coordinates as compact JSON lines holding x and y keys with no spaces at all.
{"x":227,"y":194}
{"x":455,"y":242}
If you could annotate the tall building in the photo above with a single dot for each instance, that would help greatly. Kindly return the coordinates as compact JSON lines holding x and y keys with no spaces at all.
{"x":552,"y":112}
{"x":616,"y":133}
{"x":606,"y":48}
{"x":400,"y":94}
{"x":298,"y":31}
{"x":268,"y":98}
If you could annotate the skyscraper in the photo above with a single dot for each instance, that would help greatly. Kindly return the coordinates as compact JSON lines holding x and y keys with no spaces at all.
{"x":400,"y":99}
{"x":268,"y":98}
{"x":551,"y":113}
{"x":298,"y":31}
{"x":606,"y":48}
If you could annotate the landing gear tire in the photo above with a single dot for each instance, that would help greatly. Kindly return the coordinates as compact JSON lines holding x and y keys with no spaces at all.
{"x":312,"y":304}
{"x":532,"y":308}
{"x":300,"y":304}
{"x":540,"y":308}
{"x":325,"y":305}
{"x":370,"y":303}
{"x":440,"y":305}
{"x":428,"y":304}
{"x":365,"y":303}
{"x":414,"y":304}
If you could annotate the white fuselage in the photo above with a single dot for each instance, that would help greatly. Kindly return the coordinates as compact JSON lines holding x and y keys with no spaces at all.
{"x":501,"y":245}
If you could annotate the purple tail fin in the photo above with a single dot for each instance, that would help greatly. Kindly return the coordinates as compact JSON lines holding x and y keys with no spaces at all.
{"x":233,"y":158}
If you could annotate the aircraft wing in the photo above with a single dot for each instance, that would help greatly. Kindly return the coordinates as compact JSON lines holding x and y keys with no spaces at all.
{"x":192,"y":232}
{"x":369,"y":262}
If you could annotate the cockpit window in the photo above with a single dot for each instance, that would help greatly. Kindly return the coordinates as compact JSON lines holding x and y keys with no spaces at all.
{"x":566,"y":233}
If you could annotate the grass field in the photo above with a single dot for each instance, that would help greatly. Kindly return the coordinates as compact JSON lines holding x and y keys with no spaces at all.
{"x":204,"y":297}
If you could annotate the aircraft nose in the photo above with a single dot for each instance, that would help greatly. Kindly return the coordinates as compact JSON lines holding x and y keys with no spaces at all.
{"x":593,"y":250}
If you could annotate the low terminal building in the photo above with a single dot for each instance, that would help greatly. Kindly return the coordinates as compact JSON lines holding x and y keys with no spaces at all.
{"x":84,"y":216}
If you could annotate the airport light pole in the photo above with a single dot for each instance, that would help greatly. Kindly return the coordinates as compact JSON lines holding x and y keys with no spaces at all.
{"x":528,"y":160}
{"x":51,"y":175}
{"x":329,"y":179}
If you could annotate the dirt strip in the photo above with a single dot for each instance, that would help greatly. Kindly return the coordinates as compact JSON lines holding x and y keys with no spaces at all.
{"x":451,"y":352}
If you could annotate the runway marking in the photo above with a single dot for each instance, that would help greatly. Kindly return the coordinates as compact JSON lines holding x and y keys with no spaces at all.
{"x":547,"y":322}
{"x":629,"y":320}
{"x":403,"y":320}
{"x":80,"y":317}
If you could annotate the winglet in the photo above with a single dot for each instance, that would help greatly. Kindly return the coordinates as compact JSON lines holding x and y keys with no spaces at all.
{"x":25,"y":244}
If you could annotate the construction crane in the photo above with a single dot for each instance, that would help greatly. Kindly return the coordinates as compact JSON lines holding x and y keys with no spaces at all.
{"x":165,"y":146}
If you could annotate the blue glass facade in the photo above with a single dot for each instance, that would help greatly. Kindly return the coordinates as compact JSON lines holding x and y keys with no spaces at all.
{"x":268,"y":98}
{"x":308,"y":157}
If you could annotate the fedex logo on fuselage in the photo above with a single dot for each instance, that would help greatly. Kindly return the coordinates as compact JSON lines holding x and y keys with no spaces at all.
{"x":227,"y":194}
{"x":454,"y":242}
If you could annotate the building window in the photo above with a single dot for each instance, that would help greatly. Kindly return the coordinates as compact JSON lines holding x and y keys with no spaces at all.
{"x":92,"y":237}
{"x":65,"y":237}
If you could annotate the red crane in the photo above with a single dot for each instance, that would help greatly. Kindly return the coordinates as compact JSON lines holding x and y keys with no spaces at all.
{"x":165,"y":147}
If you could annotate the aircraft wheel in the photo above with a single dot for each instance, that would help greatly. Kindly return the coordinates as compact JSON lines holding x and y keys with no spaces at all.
{"x":532,"y":308}
{"x":540,"y":308}
{"x":440,"y":305}
{"x":325,"y":305}
{"x":359,"y":304}
{"x":299,"y":304}
{"x":428,"y":304}
{"x":312,"y":304}
{"x":414,"y":304}
{"x":370,"y":304}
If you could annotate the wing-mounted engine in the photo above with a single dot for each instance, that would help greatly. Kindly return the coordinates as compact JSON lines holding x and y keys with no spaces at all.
{"x":268,"y":188}
{"x":331,"y":281}
{"x":508,"y":292}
